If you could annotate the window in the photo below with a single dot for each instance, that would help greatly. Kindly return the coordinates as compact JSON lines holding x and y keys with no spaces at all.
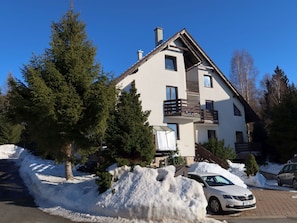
{"x":170,"y":63}
{"x":211,"y":134}
{"x":236,"y":111}
{"x":171,"y":93}
{"x":209,"y":105}
{"x":207,"y":81}
{"x":239,"y":137}
{"x":175,"y":128}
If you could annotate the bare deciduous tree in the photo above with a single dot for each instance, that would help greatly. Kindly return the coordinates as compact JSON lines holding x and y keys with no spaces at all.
{"x":275,"y":87}
{"x":243,"y":76}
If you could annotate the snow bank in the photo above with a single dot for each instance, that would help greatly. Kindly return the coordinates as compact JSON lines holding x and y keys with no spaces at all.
{"x":273,"y":168}
{"x":173,"y":197}
{"x":144,"y":195}
{"x":140,"y":196}
{"x":233,"y":174}
{"x":10,"y":151}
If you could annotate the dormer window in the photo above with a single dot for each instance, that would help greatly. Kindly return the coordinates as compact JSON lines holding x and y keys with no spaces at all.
{"x":170,"y":63}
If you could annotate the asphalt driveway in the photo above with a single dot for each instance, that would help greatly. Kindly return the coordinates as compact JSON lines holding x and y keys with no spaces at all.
{"x":16,"y":204}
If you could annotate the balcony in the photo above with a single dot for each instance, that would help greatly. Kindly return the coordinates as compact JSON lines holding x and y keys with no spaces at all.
{"x":185,"y":109}
{"x":181,"y":108}
{"x":244,"y":149}
{"x":209,"y":116}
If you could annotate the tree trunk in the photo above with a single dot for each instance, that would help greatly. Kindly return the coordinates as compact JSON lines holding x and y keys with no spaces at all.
{"x":68,"y":163}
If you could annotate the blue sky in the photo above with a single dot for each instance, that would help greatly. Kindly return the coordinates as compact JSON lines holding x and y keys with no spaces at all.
{"x":267,"y":29}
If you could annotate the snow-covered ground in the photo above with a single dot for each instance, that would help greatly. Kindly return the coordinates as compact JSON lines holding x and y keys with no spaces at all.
{"x":143,"y":195}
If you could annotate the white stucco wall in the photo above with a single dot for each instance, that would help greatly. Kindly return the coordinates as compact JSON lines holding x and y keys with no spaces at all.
{"x":151,"y":81}
{"x":223,"y":99}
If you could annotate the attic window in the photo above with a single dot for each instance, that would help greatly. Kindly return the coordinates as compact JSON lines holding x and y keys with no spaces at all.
{"x":237,"y":112}
{"x":207,"y":81}
{"x":170,"y":63}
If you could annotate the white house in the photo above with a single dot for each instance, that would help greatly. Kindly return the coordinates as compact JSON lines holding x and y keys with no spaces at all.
{"x":190,"y":99}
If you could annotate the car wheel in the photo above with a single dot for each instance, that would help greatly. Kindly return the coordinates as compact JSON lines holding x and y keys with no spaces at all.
{"x":279,"y":182}
{"x":214,"y":205}
{"x":294,"y":184}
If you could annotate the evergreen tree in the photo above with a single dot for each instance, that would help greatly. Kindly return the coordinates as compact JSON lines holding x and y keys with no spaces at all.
{"x":217,"y":148}
{"x":251,"y":165}
{"x":282,"y":131}
{"x":9,"y":132}
{"x":276,"y":87}
{"x":129,"y":136}
{"x":66,"y":98}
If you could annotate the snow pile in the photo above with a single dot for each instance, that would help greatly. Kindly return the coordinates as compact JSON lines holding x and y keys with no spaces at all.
{"x":10,"y":151}
{"x":235,"y":173}
{"x":238,"y":171}
{"x":144,"y":195}
{"x":273,"y":168}
{"x":154,"y":194}
{"x":140,"y":196}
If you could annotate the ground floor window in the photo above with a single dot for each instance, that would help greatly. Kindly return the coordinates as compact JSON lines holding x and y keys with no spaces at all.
{"x":175,"y":128}
{"x":211,"y":134}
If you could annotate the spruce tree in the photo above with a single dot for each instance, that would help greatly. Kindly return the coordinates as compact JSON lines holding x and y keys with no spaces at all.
{"x":251,"y":165}
{"x":9,"y":132}
{"x":129,"y":136}
{"x":282,"y":131}
{"x":66,"y":98}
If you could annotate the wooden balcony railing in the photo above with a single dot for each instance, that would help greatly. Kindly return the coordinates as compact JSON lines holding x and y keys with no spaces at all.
{"x":181,"y":107}
{"x":184,"y":108}
{"x":254,"y":148}
{"x":209,"y":115}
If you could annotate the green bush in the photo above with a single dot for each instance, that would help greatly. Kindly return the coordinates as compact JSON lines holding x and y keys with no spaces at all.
{"x":127,"y":162}
{"x":175,"y":159}
{"x":104,"y":182}
{"x":251,"y":165}
{"x":218,"y":149}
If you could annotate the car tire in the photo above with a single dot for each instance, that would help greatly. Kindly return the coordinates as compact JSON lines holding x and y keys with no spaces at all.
{"x":214,"y":205}
{"x":294,"y":183}
{"x":279,"y":182}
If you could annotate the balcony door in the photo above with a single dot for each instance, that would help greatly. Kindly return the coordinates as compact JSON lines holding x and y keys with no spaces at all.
{"x":171,"y":93}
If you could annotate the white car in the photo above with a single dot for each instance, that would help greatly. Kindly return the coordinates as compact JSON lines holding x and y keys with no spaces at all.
{"x":222,"y":195}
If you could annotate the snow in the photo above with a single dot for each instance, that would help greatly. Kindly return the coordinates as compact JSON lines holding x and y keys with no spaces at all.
{"x":141,"y":195}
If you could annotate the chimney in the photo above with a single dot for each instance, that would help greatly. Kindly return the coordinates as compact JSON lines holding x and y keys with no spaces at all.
{"x":158,"y":35}
{"x":139,"y":54}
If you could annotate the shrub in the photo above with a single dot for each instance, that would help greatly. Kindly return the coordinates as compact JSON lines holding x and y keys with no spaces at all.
{"x":175,"y":159}
{"x":251,"y":165}
{"x":218,"y":149}
{"x":104,"y":182}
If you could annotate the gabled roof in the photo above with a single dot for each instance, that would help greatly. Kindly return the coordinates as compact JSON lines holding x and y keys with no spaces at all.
{"x":194,"y":54}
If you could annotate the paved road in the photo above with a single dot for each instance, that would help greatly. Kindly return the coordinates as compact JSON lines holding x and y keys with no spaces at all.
{"x":272,"y":207}
{"x":16,"y":204}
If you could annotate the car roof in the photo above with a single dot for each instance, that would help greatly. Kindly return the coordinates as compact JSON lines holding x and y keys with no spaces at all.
{"x":202,"y":174}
